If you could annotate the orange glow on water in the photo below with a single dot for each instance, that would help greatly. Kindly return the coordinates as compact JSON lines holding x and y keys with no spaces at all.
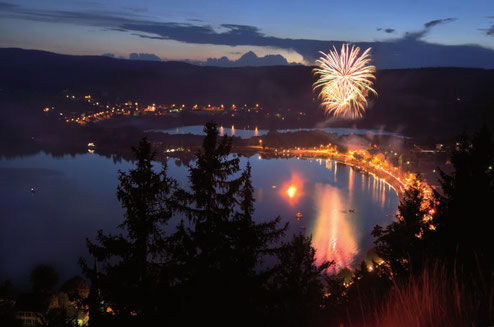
{"x":333,"y":236}
{"x":351,"y":182}
{"x":222,"y":131}
{"x":256,"y":132}
{"x":233,"y":130}
{"x":383,"y":193}
{"x":351,"y":178}
{"x":291,"y":191}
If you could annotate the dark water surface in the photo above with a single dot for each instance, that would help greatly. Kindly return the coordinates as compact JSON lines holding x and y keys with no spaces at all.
{"x":76,"y":196}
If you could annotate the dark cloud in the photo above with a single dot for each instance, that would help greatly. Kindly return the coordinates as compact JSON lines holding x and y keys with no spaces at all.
{"x":415,"y":35}
{"x":7,"y":6}
{"x":234,"y":35}
{"x":433,"y":23}
{"x":89,"y":3}
{"x":111,"y":55}
{"x":407,"y":51}
{"x":248,"y":59}
{"x":144,"y":56}
{"x":116,"y":29}
{"x":427,"y":28}
{"x":136,"y":9}
{"x":386,"y":30}
{"x":93,"y":18}
{"x":489,"y":31}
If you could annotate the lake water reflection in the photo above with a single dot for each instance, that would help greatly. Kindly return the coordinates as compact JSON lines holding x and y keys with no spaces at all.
{"x":75,"y":196}
{"x":247,"y":133}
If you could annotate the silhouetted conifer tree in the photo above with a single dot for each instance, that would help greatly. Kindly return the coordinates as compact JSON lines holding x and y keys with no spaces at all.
{"x":133,"y":260}
{"x":402,"y":244}
{"x":297,"y":284}
{"x":465,"y":216}
{"x":217,"y":250}
{"x":43,"y":279}
{"x":465,"y":212}
{"x":461,"y":240}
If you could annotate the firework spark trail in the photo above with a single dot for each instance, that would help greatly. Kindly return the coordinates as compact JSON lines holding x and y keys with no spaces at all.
{"x":345,"y":80}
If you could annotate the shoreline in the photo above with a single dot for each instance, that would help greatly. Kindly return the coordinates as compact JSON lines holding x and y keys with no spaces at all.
{"x":393,"y":181}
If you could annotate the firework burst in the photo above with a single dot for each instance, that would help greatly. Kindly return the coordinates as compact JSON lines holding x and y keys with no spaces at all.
{"x":345,"y":80}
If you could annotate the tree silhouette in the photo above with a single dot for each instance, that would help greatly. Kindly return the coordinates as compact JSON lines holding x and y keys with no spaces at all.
{"x":458,"y":234}
{"x":217,"y":250}
{"x":402,"y":244}
{"x":298,"y":283}
{"x":464,"y":218}
{"x":132,"y":260}
{"x":77,"y":288}
{"x":43,"y":278}
{"x":465,"y":210}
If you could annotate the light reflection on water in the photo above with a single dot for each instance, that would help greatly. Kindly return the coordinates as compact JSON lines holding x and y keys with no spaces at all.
{"x":343,"y":212}
{"x":75,"y":196}
{"x":246,"y":133}
{"x":333,"y":234}
{"x":339,"y":206}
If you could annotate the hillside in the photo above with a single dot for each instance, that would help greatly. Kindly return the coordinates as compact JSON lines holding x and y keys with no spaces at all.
{"x":418,"y":102}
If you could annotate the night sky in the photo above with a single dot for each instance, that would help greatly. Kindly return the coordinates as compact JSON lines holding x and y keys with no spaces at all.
{"x":457,"y":32}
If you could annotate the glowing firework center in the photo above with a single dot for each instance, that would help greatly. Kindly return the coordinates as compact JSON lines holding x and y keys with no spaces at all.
{"x":345,"y":79}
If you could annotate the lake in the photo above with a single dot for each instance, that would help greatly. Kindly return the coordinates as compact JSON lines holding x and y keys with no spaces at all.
{"x":76,"y":195}
{"x":247,"y":133}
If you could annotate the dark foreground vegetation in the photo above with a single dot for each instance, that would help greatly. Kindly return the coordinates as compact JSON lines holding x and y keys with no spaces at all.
{"x":434,"y":264}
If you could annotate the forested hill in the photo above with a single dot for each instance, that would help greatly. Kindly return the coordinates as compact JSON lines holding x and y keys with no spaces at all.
{"x":413,"y":101}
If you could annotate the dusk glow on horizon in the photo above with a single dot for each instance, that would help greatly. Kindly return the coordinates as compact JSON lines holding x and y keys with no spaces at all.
{"x":273,"y":33}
